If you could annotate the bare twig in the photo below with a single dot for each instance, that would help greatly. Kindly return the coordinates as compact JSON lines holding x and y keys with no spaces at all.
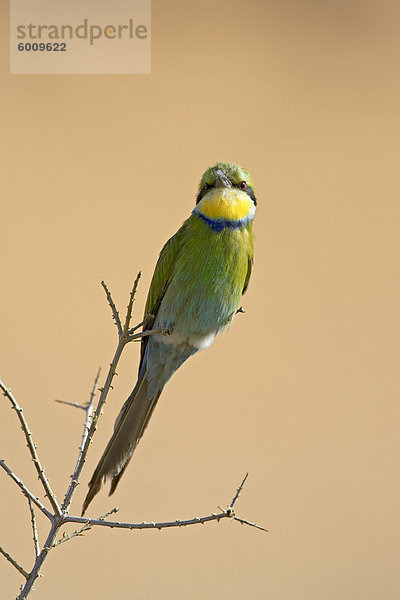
{"x":93,"y":391}
{"x":34,"y":529}
{"x":142,"y":334}
{"x":125,"y":332}
{"x":244,"y":522}
{"x":75,"y":404}
{"x":236,"y":496}
{"x":114,"y":311}
{"x":108,"y":513}
{"x":228,"y":513}
{"x":86,"y":527}
{"x":25,"y":490}
{"x":153,"y":525}
{"x":35,"y":573}
{"x":14,"y":563}
{"x":150,"y":524}
{"x":81,"y":459}
{"x":92,"y":420}
{"x":78,"y":532}
{"x":148,"y":318}
{"x":32,"y":449}
{"x":138,"y":326}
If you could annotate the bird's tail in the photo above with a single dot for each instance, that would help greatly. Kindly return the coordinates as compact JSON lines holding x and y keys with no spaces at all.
{"x":129,"y":427}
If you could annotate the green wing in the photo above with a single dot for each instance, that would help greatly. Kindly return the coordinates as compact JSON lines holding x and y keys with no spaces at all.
{"x":160,"y":281}
{"x":248,"y":274}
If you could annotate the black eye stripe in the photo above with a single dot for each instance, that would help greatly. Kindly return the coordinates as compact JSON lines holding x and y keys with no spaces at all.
{"x":202,"y":193}
{"x":207,"y":187}
{"x":250,"y":193}
{"x":248,"y":190}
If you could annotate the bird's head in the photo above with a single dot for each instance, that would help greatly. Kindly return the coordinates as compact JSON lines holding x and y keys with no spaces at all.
{"x":226,"y":197}
{"x":226,"y":175}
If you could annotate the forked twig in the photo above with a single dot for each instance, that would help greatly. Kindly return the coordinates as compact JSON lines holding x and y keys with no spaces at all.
{"x":231,"y":512}
{"x":92,"y":419}
{"x":32,"y":449}
{"x":25,"y":490}
{"x":81,"y":530}
{"x":228,"y":513}
{"x":85,"y":435}
{"x":60,"y":516}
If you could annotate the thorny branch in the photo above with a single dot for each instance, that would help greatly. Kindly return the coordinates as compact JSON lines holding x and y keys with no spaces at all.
{"x":60,"y":515}
{"x":25,"y":490}
{"x":87,"y":525}
{"x":14,"y":563}
{"x":91,"y":420}
{"x":139,"y":336}
{"x":229,"y":513}
{"x":114,"y":311}
{"x":83,"y":447}
{"x":75,"y":404}
{"x":32,"y":449}
{"x":34,"y":529}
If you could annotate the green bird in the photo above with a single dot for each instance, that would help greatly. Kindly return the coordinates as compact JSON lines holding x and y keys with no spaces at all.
{"x":200,"y":276}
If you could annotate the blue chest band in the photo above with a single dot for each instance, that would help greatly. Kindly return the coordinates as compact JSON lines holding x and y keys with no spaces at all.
{"x":219,"y":225}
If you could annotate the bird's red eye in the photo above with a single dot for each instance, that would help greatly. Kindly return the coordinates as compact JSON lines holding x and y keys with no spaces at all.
{"x":243,"y":185}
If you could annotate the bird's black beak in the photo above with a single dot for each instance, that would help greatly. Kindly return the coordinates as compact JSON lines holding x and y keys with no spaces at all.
{"x":221,"y":180}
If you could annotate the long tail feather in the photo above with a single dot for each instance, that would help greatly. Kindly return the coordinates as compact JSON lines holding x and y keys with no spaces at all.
{"x":129,"y":427}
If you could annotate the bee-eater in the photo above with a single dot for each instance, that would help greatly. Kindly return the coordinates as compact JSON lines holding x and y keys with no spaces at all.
{"x":200,"y":276}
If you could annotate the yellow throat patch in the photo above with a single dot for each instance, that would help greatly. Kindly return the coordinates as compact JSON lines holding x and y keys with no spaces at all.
{"x":229,"y":204}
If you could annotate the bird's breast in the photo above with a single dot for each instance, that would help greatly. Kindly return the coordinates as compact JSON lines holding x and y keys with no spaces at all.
{"x":207,"y":284}
{"x":226,"y":204}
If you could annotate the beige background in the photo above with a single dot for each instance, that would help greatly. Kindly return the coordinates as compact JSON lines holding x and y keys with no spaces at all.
{"x":97,"y":172}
